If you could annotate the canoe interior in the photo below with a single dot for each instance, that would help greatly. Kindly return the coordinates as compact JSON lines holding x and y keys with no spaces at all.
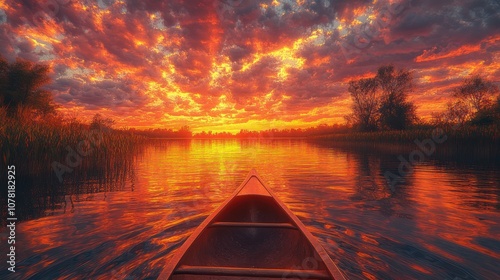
{"x":251,"y":247}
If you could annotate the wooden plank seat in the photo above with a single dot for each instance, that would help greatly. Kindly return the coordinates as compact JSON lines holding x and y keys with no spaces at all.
{"x":251,"y":224}
{"x":251,"y":272}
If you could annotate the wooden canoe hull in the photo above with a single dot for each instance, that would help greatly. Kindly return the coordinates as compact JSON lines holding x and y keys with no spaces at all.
{"x":252,"y":235}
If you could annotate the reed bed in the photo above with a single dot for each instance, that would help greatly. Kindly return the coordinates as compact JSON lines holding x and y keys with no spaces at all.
{"x":33,"y":145}
{"x":461,"y":135}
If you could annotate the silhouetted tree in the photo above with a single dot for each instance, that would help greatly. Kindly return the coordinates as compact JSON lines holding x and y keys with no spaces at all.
{"x":21,"y":86}
{"x":185,"y":132}
{"x":395,"y":111}
{"x":382,"y":100}
{"x":457,"y":113}
{"x":365,"y":104}
{"x":477,"y":92}
{"x":101,"y":123}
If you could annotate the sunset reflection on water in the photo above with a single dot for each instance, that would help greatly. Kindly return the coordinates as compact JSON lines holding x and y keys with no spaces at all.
{"x":443,"y":221}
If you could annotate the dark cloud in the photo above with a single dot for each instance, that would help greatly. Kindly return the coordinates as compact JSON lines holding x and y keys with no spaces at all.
{"x":99,"y":94}
{"x":236,"y":53}
{"x":413,"y":25}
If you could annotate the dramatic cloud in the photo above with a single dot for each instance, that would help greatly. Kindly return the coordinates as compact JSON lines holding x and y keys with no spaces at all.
{"x":240,"y":64}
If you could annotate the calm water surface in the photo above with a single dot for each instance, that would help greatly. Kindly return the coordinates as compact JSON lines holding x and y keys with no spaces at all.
{"x":443,"y":222}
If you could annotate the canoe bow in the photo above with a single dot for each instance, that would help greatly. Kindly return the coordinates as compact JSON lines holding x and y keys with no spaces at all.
{"x":241,"y":216}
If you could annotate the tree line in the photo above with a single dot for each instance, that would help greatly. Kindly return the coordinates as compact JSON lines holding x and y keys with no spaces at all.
{"x":320,"y":130}
{"x":381,"y":102}
{"x":183,"y":132}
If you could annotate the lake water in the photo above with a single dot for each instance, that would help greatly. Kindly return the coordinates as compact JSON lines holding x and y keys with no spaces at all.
{"x":442,"y":222}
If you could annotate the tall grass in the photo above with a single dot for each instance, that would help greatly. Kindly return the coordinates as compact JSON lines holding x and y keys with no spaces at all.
{"x":33,"y":143}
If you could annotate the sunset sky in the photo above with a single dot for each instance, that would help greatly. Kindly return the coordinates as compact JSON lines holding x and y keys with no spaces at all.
{"x":240,"y":64}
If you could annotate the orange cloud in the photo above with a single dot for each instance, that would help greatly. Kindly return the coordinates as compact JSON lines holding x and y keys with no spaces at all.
{"x":434,"y":54}
{"x":249,"y":65}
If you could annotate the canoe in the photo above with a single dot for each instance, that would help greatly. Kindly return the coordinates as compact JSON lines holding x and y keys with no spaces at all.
{"x":252,"y":235}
